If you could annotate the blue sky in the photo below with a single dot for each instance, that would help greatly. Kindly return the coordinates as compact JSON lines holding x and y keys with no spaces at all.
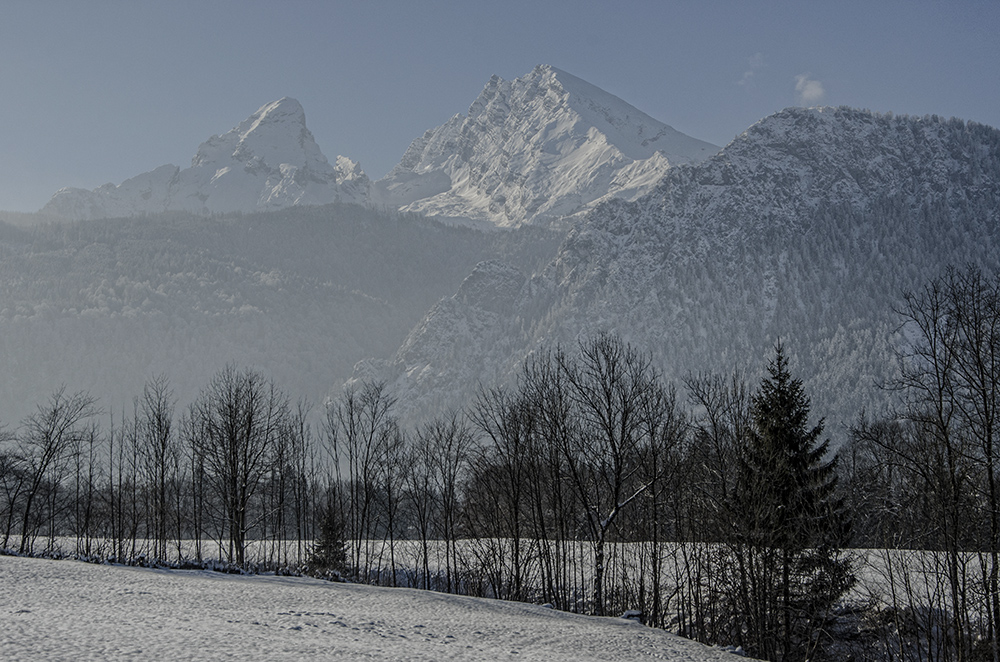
{"x":96,"y":92}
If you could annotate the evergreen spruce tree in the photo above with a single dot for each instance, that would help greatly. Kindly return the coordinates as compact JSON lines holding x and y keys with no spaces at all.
{"x":792,"y":522}
{"x":328,"y":556}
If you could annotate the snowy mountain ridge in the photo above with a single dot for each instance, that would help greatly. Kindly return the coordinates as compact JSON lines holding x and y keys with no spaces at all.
{"x":536,"y":149}
{"x":807,"y":227}
{"x":540,"y":149}
{"x":268,"y":161}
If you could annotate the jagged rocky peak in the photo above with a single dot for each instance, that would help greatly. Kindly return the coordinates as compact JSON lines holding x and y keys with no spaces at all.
{"x":634,"y":132}
{"x":536,"y":149}
{"x":276,"y":134}
{"x":268,"y":161}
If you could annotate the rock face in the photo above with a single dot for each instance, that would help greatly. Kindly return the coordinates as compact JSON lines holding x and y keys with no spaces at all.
{"x":269,"y":161}
{"x":808,"y":228}
{"x":536,"y":149}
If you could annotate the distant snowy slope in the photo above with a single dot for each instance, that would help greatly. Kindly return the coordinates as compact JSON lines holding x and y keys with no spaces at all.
{"x":67,"y":610}
{"x":533,"y":150}
{"x":269,"y":161}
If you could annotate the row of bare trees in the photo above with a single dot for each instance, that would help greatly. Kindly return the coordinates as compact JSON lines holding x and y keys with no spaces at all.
{"x":923,"y":478}
{"x":237,"y":465}
{"x":587,"y":483}
{"x":590,"y":485}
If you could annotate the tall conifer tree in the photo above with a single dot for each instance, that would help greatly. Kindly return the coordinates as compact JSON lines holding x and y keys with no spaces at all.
{"x":793,"y":522}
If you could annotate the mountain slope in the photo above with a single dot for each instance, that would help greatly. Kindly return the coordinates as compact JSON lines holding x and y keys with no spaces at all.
{"x":807,"y":227}
{"x":302,"y":293}
{"x":533,"y":150}
{"x":268,"y":161}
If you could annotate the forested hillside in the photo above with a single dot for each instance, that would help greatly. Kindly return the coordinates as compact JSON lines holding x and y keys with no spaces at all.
{"x":303,"y":293}
{"x":808,"y":227}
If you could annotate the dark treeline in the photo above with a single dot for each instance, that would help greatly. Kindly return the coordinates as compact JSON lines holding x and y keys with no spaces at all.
{"x":922,"y":480}
{"x":718,"y":511}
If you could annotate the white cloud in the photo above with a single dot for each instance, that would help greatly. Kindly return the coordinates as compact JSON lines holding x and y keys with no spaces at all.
{"x":756,"y":61}
{"x":809,"y":89}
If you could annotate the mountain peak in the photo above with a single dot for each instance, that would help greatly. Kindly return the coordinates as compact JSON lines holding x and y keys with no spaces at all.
{"x":848,"y":156}
{"x":536,"y":149}
{"x":549,"y":72}
{"x":285,"y":111}
{"x":283,"y":106}
{"x":270,"y":160}
{"x":276,"y":134}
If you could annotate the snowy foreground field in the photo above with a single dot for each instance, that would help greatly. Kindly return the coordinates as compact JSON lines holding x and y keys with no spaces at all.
{"x":69,"y":610}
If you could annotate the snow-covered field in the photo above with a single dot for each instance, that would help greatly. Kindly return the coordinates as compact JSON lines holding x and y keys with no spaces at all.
{"x":69,"y":610}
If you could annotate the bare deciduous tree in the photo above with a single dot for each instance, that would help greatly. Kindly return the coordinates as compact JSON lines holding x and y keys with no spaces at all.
{"x":358,"y":428}
{"x":608,"y":385}
{"x":47,"y":438}
{"x":237,"y":420}
{"x":159,"y":458}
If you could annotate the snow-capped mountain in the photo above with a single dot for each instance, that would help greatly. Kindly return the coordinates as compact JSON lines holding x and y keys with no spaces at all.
{"x":535,"y":150}
{"x":808,"y":228}
{"x":268,"y":161}
{"x":541,"y":149}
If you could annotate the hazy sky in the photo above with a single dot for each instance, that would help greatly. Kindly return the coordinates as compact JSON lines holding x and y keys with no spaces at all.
{"x":99,"y":91}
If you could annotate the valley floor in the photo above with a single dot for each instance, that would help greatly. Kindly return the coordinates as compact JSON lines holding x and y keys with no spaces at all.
{"x":68,"y":610}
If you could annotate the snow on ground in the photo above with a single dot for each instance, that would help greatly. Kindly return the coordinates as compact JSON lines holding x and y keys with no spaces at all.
{"x":68,"y":610}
